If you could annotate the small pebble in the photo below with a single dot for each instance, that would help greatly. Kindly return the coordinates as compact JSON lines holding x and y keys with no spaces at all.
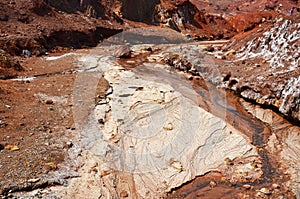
{"x":212,"y":184}
{"x":33,"y":180}
{"x":124,"y":194}
{"x":12,"y":147}
{"x":265,"y":191}
{"x":275,"y":186}
{"x":247,"y":186}
{"x":169,"y":127}
{"x":49,"y":101}
{"x":69,"y":144}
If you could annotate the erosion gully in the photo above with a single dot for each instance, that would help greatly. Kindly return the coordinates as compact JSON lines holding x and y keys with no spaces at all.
{"x":225,"y":104}
{"x":220,"y":103}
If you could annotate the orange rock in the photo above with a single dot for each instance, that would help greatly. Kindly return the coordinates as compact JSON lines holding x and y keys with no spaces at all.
{"x":12,"y":147}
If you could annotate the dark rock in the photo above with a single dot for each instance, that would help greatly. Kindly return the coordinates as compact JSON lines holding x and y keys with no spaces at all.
{"x":210,"y":49}
{"x":41,"y":52}
{"x":232,"y":82}
{"x":49,"y":101}
{"x":26,"y":53}
{"x":101,"y":121}
{"x":1,"y":147}
{"x":24,"y":19}
{"x":149,"y":49}
{"x":4,"y":17}
{"x":227,"y":77}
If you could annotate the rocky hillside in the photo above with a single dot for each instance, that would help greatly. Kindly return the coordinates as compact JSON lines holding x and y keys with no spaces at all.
{"x":269,"y":59}
{"x":39,"y":26}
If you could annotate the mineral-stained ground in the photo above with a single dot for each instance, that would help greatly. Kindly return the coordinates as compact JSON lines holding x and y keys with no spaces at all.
{"x":149,"y":99}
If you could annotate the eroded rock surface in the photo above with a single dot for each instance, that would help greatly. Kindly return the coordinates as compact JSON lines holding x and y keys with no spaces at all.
{"x":158,"y":136}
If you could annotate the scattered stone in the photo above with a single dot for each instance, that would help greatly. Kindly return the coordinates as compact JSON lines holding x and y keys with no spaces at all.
{"x":169,"y":127}
{"x":12,"y":147}
{"x":149,"y":49}
{"x":7,"y":106}
{"x":69,"y":144}
{"x":275,"y":186}
{"x":265,"y":191}
{"x":212,"y":184}
{"x":26,"y":53}
{"x":176,"y":165}
{"x":124,"y":194}
{"x":33,"y":180}
{"x":228,"y":161}
{"x":247,"y":186}
{"x":49,"y":101}
{"x":260,"y":194}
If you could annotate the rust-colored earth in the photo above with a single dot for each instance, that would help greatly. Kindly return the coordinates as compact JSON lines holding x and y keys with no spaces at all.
{"x":37,"y":130}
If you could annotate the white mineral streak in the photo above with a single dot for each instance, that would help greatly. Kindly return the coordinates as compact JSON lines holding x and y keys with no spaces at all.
{"x":276,"y":46}
{"x":291,"y":97}
{"x":58,"y":57}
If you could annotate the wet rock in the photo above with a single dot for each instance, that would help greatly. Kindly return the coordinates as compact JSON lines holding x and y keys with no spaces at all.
{"x":285,"y":143}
